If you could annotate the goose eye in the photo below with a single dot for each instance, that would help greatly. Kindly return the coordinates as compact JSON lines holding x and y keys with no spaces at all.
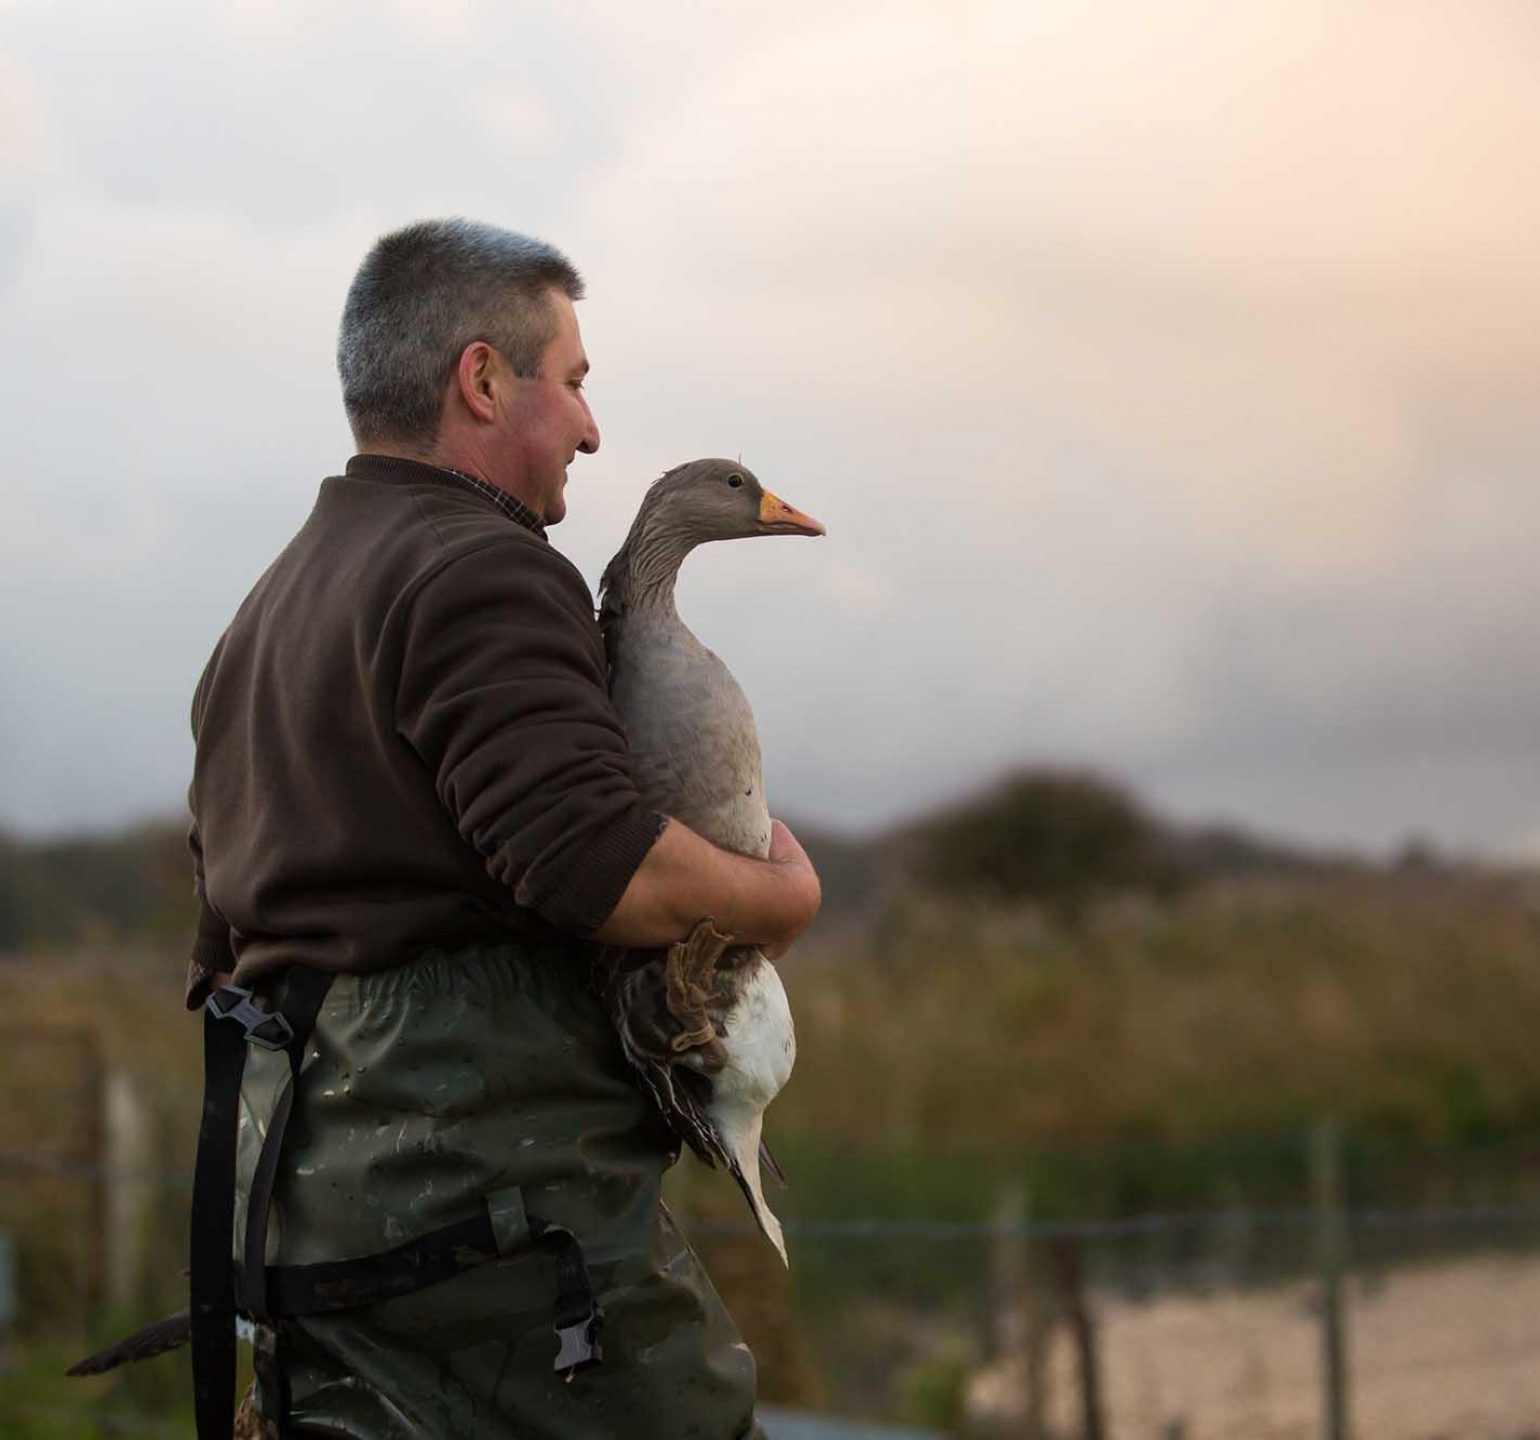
{"x":735,"y":480}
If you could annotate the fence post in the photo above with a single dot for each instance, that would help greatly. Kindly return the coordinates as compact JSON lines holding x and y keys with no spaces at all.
{"x":1006,"y":1275}
{"x":1069,"y":1261}
{"x":1037,"y":1315}
{"x":93,"y":1087}
{"x":9,"y":1310}
{"x":127,"y":1160}
{"x":1016,"y":1325}
{"x":1331,"y":1254}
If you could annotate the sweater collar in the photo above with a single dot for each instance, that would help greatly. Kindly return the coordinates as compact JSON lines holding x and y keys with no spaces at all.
{"x":395,"y":470}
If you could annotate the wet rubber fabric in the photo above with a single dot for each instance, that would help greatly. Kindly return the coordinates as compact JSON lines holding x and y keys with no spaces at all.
{"x":488,"y":1079}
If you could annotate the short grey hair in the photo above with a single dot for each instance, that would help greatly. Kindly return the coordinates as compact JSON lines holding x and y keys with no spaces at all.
{"x":424,"y":293}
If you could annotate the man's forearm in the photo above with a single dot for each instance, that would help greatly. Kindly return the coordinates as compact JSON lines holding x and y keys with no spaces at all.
{"x":686,"y":878}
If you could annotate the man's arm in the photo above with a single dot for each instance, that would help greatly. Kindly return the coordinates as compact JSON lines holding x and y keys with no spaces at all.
{"x":684,"y":878}
{"x":502,"y":693}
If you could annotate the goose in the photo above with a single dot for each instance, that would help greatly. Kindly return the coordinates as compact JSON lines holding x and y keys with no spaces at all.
{"x":705,"y":1023}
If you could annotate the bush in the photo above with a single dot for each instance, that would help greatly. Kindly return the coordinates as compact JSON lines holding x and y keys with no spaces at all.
{"x":1062,"y":839}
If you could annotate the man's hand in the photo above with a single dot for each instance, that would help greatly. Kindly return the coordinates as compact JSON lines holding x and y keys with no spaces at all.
{"x":785,"y":850}
{"x":686,"y":878}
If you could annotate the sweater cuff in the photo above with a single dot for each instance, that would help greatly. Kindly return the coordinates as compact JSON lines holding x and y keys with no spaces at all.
{"x":211,"y":956}
{"x":594,"y":885}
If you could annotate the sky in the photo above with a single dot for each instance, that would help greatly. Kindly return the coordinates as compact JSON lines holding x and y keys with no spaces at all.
{"x":1165,"y":373}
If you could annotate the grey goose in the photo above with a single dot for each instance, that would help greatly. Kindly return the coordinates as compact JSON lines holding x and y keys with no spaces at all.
{"x":706,"y":1022}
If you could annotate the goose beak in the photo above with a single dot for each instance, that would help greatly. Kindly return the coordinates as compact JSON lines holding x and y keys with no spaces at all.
{"x":776,"y":517}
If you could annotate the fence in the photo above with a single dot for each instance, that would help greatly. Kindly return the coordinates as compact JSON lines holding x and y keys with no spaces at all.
{"x":1205,"y":1326}
{"x":1271,"y":1308}
{"x":1236,"y":1324}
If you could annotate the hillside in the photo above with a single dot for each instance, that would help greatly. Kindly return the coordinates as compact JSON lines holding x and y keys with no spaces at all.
{"x":1092,"y":970}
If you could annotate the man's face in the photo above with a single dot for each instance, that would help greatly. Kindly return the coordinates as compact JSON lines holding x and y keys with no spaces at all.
{"x":549,"y":419}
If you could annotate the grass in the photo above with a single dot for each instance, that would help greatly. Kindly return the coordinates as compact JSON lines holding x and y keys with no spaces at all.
{"x":38,"y":1402}
{"x":1240,"y":1010}
{"x":1154,"y":1056}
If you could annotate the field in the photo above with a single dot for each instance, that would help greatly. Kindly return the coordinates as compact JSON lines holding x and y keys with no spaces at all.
{"x":1153,"y":1051}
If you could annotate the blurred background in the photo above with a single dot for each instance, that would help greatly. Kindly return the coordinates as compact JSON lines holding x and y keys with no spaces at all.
{"x":1160,"y":708}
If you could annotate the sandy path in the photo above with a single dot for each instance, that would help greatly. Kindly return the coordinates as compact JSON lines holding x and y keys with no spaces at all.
{"x":1446,"y":1350}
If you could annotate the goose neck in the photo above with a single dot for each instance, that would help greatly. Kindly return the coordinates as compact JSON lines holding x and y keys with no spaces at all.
{"x":655,"y":555}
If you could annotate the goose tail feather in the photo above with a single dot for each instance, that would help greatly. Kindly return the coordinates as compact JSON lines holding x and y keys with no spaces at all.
{"x":768,"y":1160}
{"x":743,"y":1165}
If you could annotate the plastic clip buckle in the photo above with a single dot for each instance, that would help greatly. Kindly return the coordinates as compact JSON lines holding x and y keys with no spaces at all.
{"x":264,"y":1028}
{"x":578,"y":1345}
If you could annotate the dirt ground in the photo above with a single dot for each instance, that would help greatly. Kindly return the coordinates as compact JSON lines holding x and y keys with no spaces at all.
{"x":1446,"y":1350}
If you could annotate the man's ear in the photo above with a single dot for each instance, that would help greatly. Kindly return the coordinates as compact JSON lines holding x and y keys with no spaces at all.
{"x":476,"y":377}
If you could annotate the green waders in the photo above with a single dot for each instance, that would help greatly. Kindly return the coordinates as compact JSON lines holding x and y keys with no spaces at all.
{"x":483,"y":1081}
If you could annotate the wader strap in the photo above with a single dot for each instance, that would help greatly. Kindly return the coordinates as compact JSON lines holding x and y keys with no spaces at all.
{"x":577,"y":1316}
{"x":212,"y":1288}
{"x":231,"y":1020}
{"x":267,"y":1366}
{"x":306,"y":989}
{"x":342,"y":1284}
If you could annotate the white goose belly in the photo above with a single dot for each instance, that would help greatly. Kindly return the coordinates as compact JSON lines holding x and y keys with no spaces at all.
{"x":761,"y":1044}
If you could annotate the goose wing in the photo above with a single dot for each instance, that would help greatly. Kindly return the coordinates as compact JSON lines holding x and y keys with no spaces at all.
{"x":667,"y":1007}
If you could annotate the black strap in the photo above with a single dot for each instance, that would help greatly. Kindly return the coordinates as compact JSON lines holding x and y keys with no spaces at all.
{"x":303,"y":993}
{"x":267,"y":1365}
{"x":342,"y":1284}
{"x":212,"y":1288}
{"x":231,"y":1020}
{"x":577,"y":1315}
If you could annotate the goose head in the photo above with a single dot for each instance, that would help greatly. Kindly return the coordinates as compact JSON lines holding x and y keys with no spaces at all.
{"x":716,"y":500}
{"x":691,"y":504}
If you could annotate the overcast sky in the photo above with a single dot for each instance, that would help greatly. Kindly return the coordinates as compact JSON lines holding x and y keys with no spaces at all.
{"x":1165,"y":373}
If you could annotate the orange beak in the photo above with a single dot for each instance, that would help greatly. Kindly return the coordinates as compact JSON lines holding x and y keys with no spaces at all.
{"x":779,"y":518}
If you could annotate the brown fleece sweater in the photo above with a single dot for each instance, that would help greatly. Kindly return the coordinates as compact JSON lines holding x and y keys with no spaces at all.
{"x":404,"y":740}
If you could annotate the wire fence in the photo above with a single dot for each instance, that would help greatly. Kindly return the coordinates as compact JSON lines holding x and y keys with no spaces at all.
{"x":1336,"y":1290}
{"x":1203,"y":1324}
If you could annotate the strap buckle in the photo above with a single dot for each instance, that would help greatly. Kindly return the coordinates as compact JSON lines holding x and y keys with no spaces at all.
{"x":578,"y":1345}
{"x":577,"y":1315}
{"x":266,"y":1029}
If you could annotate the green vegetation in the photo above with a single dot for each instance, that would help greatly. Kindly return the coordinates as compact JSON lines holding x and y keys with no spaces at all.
{"x":1063,"y":841}
{"x":103,"y":889}
{"x":1046,"y":989}
{"x":1116,"y":1062}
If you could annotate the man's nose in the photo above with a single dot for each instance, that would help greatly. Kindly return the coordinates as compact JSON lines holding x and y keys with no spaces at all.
{"x":590,"y":441}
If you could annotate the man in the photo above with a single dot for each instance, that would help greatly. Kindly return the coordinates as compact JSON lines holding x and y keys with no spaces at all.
{"x":410,"y":782}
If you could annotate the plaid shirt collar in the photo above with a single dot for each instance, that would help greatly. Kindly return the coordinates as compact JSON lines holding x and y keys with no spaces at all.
{"x":511,"y":506}
{"x":393,"y":467}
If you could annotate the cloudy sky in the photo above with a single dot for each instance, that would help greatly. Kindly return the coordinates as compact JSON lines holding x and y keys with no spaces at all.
{"x":1166,"y":373}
